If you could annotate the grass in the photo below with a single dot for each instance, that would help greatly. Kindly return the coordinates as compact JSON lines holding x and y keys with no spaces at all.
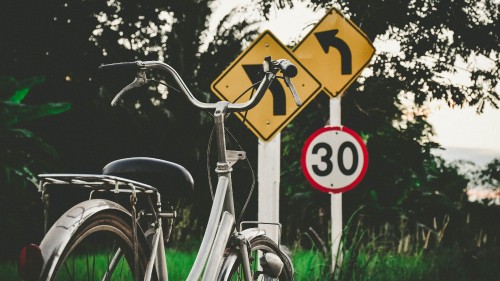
{"x":310,"y":265}
{"x":419,"y":266}
{"x":8,"y":271}
{"x":179,"y":264}
{"x":366,"y":264}
{"x":306,"y":263}
{"x":443,"y":263}
{"x":379,"y":265}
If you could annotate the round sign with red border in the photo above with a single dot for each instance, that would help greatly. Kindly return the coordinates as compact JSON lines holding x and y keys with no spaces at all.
{"x":334,"y":159}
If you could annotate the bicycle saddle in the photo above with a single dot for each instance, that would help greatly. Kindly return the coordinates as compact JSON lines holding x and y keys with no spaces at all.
{"x":169,"y":178}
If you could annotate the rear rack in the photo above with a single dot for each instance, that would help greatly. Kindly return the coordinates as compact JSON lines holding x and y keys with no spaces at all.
{"x":95,"y":182}
{"x":103,"y":183}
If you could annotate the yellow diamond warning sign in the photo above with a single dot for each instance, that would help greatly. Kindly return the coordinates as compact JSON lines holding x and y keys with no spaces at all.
{"x":335,"y":51}
{"x":277,"y":108}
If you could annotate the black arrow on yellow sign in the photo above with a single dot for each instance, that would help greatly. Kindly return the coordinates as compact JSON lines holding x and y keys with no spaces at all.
{"x":329,"y":39}
{"x":254,"y":72}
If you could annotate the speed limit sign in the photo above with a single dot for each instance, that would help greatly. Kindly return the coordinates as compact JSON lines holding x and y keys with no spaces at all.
{"x":334,"y":159}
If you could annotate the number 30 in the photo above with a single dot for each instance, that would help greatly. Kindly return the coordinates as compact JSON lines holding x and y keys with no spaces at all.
{"x":327,"y":159}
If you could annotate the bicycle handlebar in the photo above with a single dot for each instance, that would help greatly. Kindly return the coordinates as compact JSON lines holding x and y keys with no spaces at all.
{"x":120,"y":66}
{"x":287,"y":68}
{"x":270,"y":67}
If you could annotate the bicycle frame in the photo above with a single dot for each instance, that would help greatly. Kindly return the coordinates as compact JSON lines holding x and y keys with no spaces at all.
{"x":221,"y":221}
{"x":222,"y":215}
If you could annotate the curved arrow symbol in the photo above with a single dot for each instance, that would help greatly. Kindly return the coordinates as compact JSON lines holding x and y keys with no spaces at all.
{"x":253,"y":72}
{"x":328,"y":39}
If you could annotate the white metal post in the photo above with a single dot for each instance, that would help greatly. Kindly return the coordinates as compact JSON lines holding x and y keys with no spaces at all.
{"x":268,"y":177}
{"x":336,"y":199}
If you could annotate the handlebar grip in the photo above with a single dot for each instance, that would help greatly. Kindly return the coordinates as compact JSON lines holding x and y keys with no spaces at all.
{"x":287,"y":68}
{"x":119,"y":67}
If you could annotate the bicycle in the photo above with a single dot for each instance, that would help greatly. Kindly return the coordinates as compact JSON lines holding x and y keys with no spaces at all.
{"x":82,"y":234}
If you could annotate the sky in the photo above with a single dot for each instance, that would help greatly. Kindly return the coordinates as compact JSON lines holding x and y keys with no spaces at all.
{"x":465,"y":134}
{"x":462,"y":133}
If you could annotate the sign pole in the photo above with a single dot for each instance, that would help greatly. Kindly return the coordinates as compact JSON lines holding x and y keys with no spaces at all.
{"x":268,"y":177}
{"x":336,"y":198}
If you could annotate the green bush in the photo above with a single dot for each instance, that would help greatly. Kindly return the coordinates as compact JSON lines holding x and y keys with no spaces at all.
{"x":19,"y":147}
{"x":22,"y":154}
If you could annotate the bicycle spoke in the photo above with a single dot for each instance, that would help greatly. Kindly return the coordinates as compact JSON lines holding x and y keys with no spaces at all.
{"x":87,"y":261}
{"x":121,"y":270}
{"x":67,"y":270}
{"x":93,"y":261}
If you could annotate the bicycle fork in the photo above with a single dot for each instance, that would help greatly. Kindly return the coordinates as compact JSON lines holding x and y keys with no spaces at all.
{"x":270,"y":264}
{"x":244,"y":247}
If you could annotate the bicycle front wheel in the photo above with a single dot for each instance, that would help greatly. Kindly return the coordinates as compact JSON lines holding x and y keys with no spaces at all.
{"x":102,"y":249}
{"x":259,"y":247}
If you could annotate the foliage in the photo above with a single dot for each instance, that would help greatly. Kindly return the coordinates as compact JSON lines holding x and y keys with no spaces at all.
{"x":435,"y":39}
{"x":398,"y":252}
{"x":22,"y":154}
{"x":310,"y":265}
{"x":369,"y":265}
{"x":8,"y":271}
{"x":19,"y":147}
{"x":179,"y":263}
{"x":385,"y":105}
{"x":491,"y":174}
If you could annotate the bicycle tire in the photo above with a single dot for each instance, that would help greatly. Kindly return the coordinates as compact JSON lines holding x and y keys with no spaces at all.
{"x":262,"y":244}
{"x":91,"y":239}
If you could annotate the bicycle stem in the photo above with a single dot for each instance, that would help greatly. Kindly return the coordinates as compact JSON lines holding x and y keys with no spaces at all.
{"x":223,"y":168}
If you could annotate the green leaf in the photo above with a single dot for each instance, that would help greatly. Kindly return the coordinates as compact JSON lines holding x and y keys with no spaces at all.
{"x":16,"y":133}
{"x":52,"y":109}
{"x":23,"y":87}
{"x":13,"y":113}
{"x":15,"y":91}
{"x":19,"y":95}
{"x":18,"y":146}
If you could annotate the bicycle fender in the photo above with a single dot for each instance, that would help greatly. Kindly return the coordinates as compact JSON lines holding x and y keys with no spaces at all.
{"x":251,"y":233}
{"x":56,"y":239}
{"x":248,"y":235}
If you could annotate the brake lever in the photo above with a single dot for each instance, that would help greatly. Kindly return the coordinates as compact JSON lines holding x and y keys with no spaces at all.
{"x":295,"y":95}
{"x":139,"y":81}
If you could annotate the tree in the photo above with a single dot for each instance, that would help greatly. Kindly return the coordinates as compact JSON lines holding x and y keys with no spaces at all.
{"x":75,"y":37}
{"x":433,"y":38}
{"x":490,"y":176}
{"x":93,"y":33}
{"x":67,"y":40}
{"x":388,"y":108}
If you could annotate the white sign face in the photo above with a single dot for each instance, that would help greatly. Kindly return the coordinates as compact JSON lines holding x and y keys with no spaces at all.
{"x":334,"y":159}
